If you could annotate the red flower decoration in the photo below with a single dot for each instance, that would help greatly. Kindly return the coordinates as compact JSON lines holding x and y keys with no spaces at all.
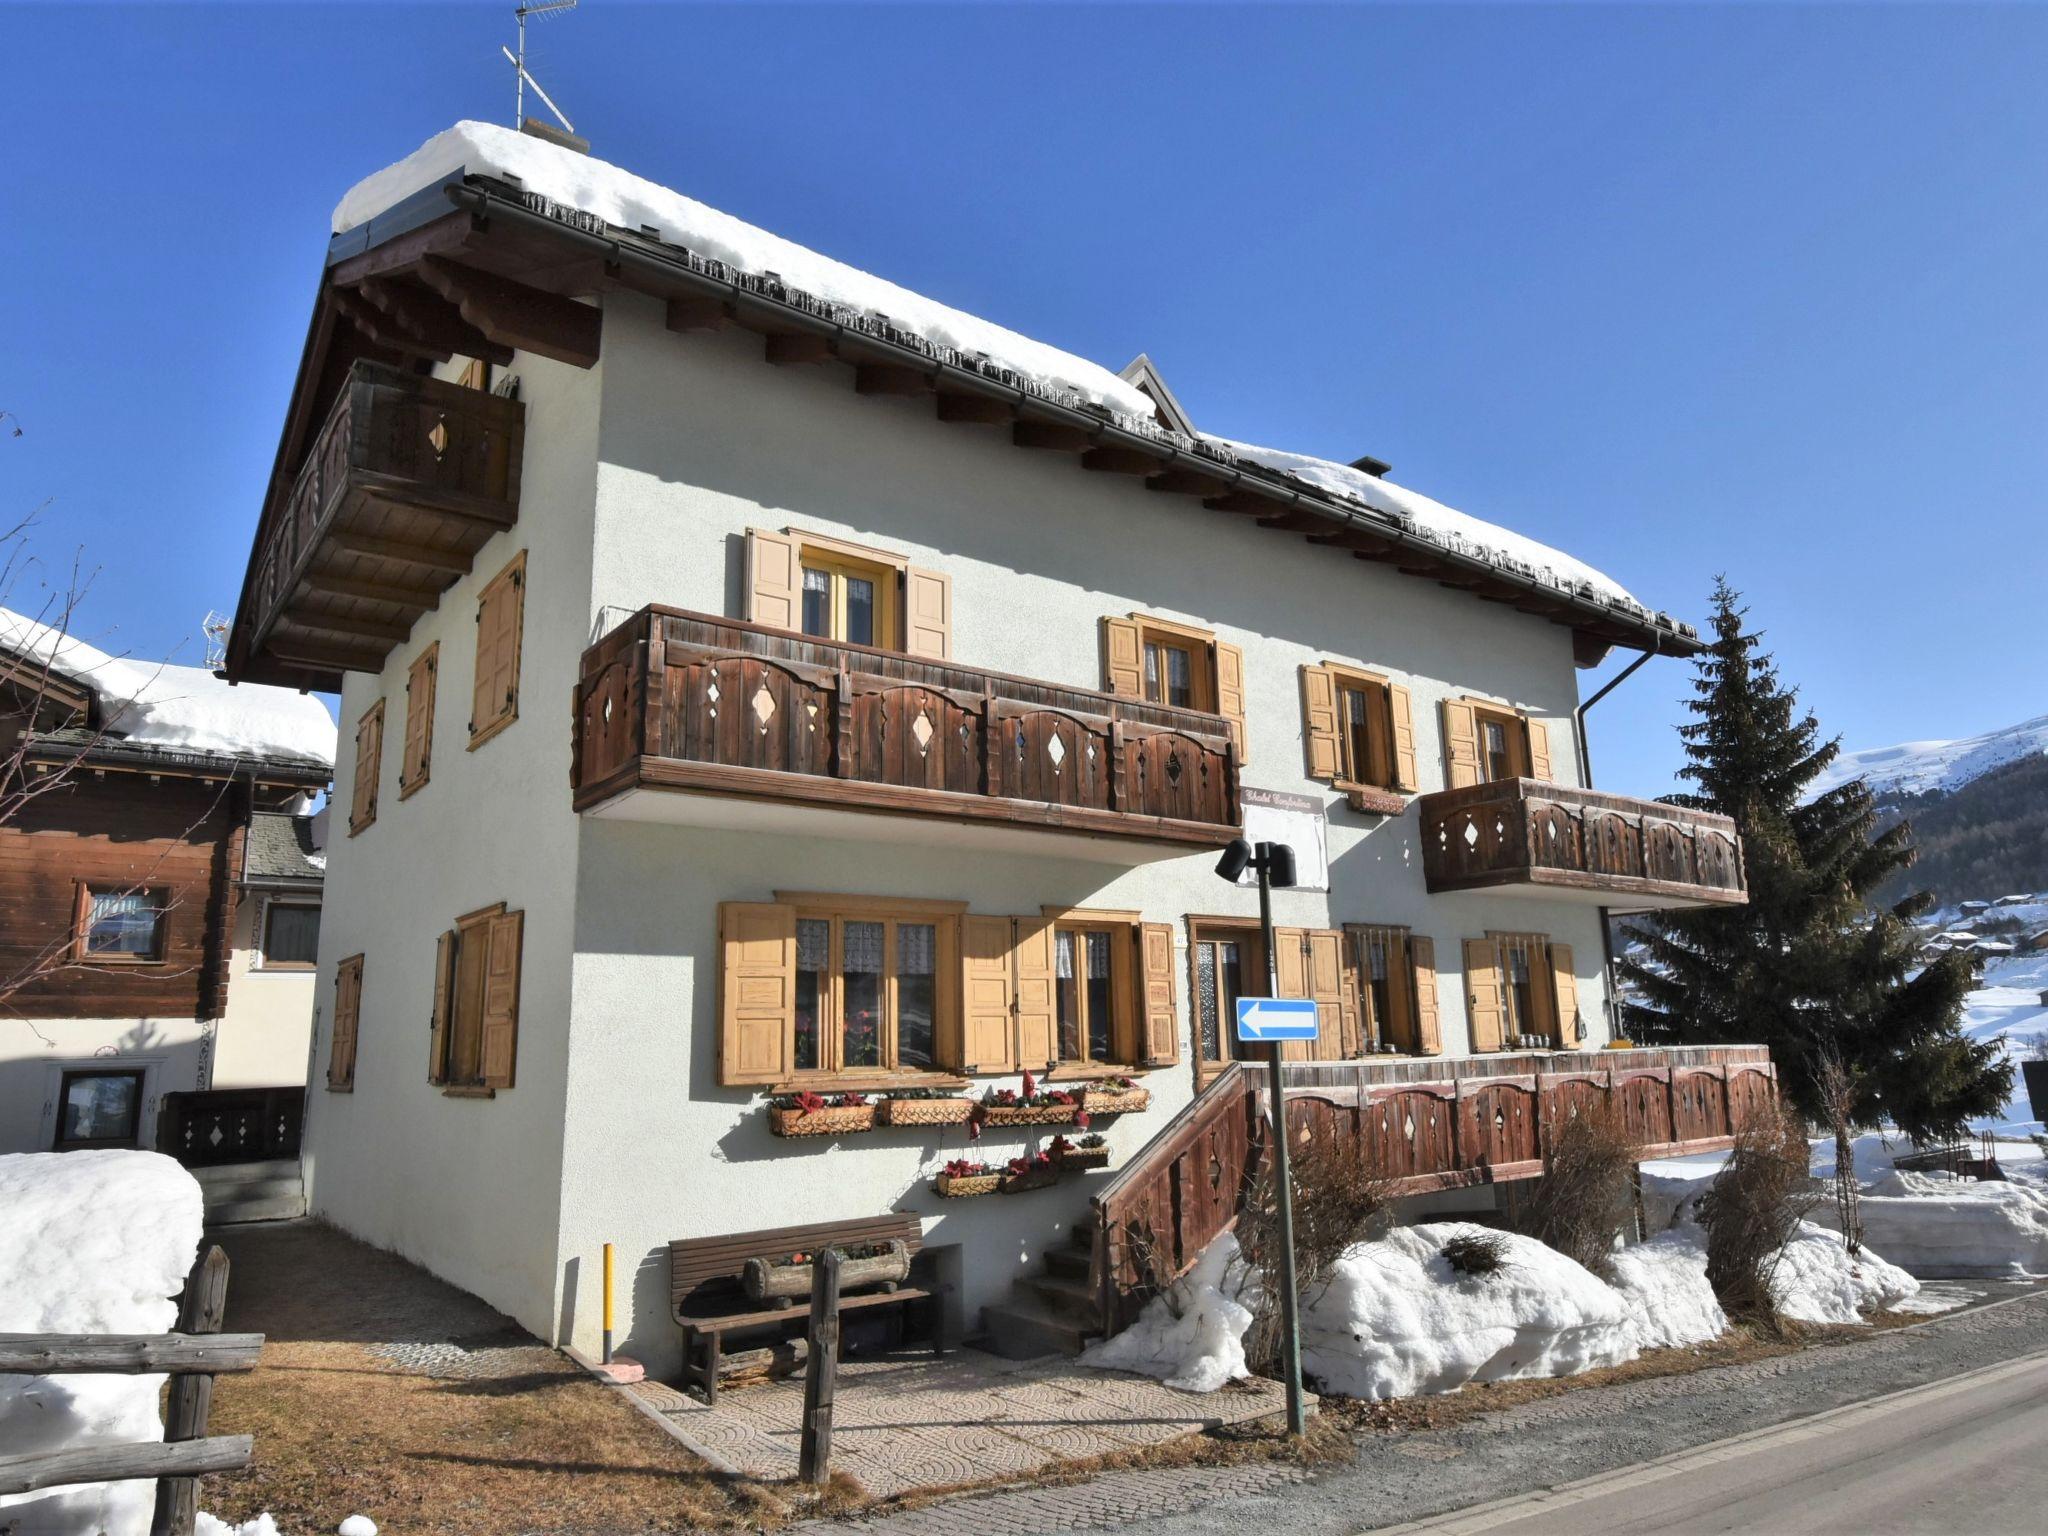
{"x":809,"y":1102}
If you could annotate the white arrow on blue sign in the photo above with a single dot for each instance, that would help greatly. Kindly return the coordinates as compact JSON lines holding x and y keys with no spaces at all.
{"x":1276,"y":1018}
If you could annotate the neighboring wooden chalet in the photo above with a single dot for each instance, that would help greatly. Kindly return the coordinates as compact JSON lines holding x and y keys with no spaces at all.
{"x":908,"y":675}
{"x":160,"y":894}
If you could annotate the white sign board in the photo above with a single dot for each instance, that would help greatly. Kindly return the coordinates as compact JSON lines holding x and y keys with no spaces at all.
{"x":1296,"y":820}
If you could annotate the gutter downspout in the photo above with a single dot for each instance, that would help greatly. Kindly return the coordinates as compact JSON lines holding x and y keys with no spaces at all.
{"x":1612,"y":999}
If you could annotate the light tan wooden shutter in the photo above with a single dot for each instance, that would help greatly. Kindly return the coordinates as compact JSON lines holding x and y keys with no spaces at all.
{"x":1564,"y":983}
{"x":1429,"y":1037}
{"x":1123,"y":658}
{"x":1230,"y":695}
{"x":1484,"y":1003}
{"x":1290,"y":965}
{"x":1461,"y":745}
{"x":419,"y":721}
{"x":362,"y":809}
{"x":774,"y":577}
{"x":1319,"y":723}
{"x":928,"y":613}
{"x":1401,"y":715}
{"x":1539,"y":748}
{"x":987,"y":1042}
{"x":500,"y":614}
{"x":1037,"y":988}
{"x":501,"y":999}
{"x":444,"y":1002}
{"x":341,"y":1043}
{"x":1336,"y":1010}
{"x":756,"y":991}
{"x":1161,"y":1046}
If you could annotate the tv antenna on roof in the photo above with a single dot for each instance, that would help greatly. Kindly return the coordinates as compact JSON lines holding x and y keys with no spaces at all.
{"x":521,"y":78}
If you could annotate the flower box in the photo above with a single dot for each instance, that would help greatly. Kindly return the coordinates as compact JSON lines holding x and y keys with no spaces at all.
{"x":1038,"y":1177}
{"x":1030,"y":1114}
{"x":1118,"y":1101}
{"x":1082,"y":1159}
{"x":958,"y":1186}
{"x":787,"y":1281}
{"x":942,"y":1111}
{"x":806,"y":1114}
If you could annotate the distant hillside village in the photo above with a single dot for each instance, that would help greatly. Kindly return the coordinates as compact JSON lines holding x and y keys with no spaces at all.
{"x":2008,"y":925}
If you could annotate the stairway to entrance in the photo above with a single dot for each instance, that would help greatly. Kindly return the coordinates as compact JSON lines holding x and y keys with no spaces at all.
{"x":271,"y":1190}
{"x":1051,"y":1312}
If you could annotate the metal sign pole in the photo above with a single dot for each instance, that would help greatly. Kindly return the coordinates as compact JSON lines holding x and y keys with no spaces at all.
{"x":1290,"y":1299}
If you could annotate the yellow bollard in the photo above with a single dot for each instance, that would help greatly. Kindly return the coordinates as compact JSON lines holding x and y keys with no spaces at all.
{"x":607,"y":1303}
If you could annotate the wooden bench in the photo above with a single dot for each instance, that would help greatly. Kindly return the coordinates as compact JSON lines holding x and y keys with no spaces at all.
{"x":708,"y":1301}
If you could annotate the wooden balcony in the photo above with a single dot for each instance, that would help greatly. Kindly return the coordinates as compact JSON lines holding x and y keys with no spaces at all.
{"x":692,"y":718}
{"x":1428,"y":1125}
{"x":1552,"y":840}
{"x":404,"y":482}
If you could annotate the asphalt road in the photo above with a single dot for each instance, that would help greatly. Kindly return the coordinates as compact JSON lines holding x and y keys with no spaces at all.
{"x":1961,"y":1455}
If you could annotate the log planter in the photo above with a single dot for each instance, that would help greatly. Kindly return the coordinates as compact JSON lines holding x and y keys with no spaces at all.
{"x":1117,"y":1101}
{"x":1083,"y":1159}
{"x":1030,"y":1114}
{"x":785,"y":1284}
{"x":959,"y":1186}
{"x":948,"y":1111}
{"x":835,"y":1120}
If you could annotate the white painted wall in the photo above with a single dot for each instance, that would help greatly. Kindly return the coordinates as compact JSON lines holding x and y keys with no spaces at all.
{"x":266,"y":1032}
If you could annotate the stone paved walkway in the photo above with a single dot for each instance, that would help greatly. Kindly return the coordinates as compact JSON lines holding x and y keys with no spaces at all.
{"x":916,"y":1421}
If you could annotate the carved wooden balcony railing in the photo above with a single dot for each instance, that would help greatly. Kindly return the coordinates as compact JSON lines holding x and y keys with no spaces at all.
{"x":1616,"y":850}
{"x":1428,"y":1125}
{"x":231,"y":1125}
{"x":678,"y":701}
{"x":405,"y":481}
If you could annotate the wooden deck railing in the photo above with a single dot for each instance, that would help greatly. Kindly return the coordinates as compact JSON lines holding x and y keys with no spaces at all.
{"x":672,"y":700}
{"x":1616,"y":849}
{"x":231,"y":1125}
{"x":1428,"y":1125}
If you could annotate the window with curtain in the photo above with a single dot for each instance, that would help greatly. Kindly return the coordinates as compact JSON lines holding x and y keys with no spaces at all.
{"x":867,"y":993}
{"x":1226,"y":965}
{"x":1084,"y":969}
{"x":291,"y":935}
{"x":123,"y":925}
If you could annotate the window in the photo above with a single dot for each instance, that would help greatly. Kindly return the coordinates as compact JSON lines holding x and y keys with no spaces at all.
{"x":500,"y":614}
{"x":1486,"y":742}
{"x":99,"y":1109}
{"x":866,"y":993}
{"x":1170,"y":673}
{"x":1228,"y":964}
{"x":291,"y":935}
{"x":1092,"y":1009}
{"x":1521,"y":993}
{"x":1500,"y":746}
{"x":1175,"y":665}
{"x":362,"y":809}
{"x":117,"y":927}
{"x":832,"y":590}
{"x":1360,"y":732}
{"x":1397,"y":989}
{"x":419,"y":721}
{"x":845,"y":600}
{"x":474,"y":1038}
{"x":341,"y":1042}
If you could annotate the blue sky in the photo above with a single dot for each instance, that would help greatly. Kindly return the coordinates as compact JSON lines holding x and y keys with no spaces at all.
{"x":1681,"y":290}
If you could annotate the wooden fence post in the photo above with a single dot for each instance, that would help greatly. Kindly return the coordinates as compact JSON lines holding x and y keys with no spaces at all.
{"x":821,"y":1375}
{"x":202,"y":1310}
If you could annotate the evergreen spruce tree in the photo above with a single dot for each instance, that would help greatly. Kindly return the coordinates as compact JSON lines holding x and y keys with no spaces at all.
{"x":1810,"y":967}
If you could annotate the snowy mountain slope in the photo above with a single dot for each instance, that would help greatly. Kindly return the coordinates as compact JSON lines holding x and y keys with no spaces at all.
{"x":1916,"y":767}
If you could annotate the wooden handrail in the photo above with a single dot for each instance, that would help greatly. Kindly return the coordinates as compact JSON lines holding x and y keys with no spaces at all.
{"x":127,"y":1354}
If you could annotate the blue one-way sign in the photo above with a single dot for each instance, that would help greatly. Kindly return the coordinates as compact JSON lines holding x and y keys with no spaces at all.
{"x":1276,"y":1018}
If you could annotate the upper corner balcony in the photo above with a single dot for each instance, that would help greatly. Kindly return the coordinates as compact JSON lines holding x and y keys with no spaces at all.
{"x":1525,"y":836}
{"x":691,"y":718}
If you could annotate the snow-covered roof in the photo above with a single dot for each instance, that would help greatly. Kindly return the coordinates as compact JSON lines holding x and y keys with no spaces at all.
{"x":182,"y":709}
{"x":599,"y":190}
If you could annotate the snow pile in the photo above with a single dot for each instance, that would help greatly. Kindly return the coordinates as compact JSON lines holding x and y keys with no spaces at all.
{"x":96,"y":1242}
{"x":1817,"y":1281}
{"x":1664,"y":1283}
{"x":1935,"y":1225}
{"x":1194,"y":1337}
{"x":182,"y":708}
{"x":207,"y":1525}
{"x":1397,"y":1320}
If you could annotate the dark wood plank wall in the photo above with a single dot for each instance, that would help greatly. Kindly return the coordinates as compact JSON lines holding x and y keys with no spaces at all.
{"x":185,"y":837}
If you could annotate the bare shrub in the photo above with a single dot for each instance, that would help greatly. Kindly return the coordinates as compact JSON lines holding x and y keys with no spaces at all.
{"x":1341,"y":1198}
{"x":1752,"y":1209}
{"x":1476,"y":1253}
{"x":1838,"y":1086}
{"x":1585,"y":1201}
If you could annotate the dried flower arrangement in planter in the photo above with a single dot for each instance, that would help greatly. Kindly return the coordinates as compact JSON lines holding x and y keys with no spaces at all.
{"x":1117,"y":1096}
{"x":924,"y":1106}
{"x":963,"y":1176}
{"x":1080,"y":1156}
{"x":811,"y":1114}
{"x":1007,"y":1106}
{"x":1034,"y":1171}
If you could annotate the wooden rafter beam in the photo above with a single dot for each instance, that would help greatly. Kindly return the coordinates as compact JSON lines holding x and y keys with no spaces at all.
{"x":891,"y":379}
{"x":798,"y":349}
{"x":443,"y":237}
{"x":383,"y":329}
{"x":425,"y":599}
{"x":452,"y":561}
{"x":433,"y":321}
{"x":292,"y":652}
{"x":1119,"y":461}
{"x":698,"y":314}
{"x":978,"y":409}
{"x":1295,"y":522}
{"x":514,"y":315}
{"x":1051,"y":434}
{"x":1187,"y":482}
{"x":344,"y":624}
{"x":1249,"y":503}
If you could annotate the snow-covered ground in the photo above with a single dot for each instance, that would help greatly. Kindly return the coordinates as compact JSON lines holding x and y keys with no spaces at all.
{"x":2008,"y":1007}
{"x":1913,"y":767}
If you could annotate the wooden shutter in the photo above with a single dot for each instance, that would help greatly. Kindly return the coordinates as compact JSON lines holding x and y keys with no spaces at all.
{"x":438,"y":1027}
{"x":1401,"y":716}
{"x":362,"y":809}
{"x":1123,"y":658}
{"x":1461,"y":745}
{"x":1036,"y":995}
{"x":1564,"y":984}
{"x":341,"y":1042}
{"x":1230,"y":695}
{"x":1484,"y":1008}
{"x":1400,"y":992}
{"x":987,"y":1043}
{"x":1161,"y":1044}
{"x":1539,"y":748}
{"x":1319,"y":723}
{"x":419,"y":721}
{"x":756,"y":991}
{"x":774,"y":576}
{"x":1311,"y":964}
{"x":1429,"y":1038}
{"x":501,"y":999}
{"x":927,"y":613}
{"x":500,"y":611}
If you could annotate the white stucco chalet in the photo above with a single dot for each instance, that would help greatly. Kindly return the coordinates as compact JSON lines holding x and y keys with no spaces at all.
{"x":767,"y":681}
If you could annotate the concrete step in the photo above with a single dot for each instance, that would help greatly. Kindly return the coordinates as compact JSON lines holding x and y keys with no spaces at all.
{"x":1072,"y":1263}
{"x":1061,"y":1296}
{"x":229,"y":1213}
{"x":1023,"y":1330}
{"x":253,"y":1189}
{"x":236,"y":1173}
